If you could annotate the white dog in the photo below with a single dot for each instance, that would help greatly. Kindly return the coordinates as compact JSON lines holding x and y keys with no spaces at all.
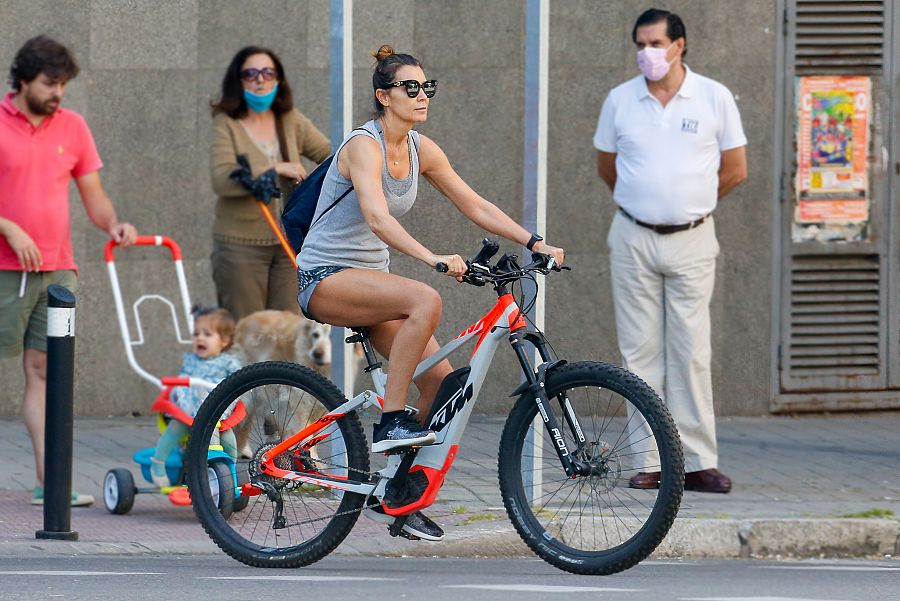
{"x":283,"y":336}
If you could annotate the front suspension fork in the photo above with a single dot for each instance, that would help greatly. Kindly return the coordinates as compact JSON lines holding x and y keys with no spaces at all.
{"x":567,"y":410}
{"x":534,"y":386}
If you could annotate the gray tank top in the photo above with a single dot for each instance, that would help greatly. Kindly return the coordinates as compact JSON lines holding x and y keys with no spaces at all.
{"x":342,"y":237}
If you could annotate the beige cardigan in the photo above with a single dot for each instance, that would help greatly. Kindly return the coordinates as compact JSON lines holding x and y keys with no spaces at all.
{"x":238,"y":219}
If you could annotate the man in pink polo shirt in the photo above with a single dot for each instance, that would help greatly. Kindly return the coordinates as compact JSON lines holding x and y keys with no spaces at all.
{"x":42,"y":146}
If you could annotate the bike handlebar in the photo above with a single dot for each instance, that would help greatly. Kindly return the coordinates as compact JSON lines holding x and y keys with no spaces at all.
{"x":479,"y":271}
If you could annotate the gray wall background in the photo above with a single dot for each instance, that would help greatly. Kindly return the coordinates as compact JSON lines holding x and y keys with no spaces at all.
{"x":150,"y":68}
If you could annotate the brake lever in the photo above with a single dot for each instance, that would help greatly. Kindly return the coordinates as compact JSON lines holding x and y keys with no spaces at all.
{"x":551,"y":263}
{"x":475,"y":274}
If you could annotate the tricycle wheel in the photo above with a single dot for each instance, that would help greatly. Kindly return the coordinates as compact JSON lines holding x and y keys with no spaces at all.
{"x":222,"y":486}
{"x":118,"y":491}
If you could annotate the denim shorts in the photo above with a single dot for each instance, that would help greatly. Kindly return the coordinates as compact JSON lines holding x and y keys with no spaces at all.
{"x":308,"y":279}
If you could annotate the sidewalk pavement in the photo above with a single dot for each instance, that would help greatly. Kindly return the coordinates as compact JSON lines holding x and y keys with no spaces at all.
{"x":803,"y":487}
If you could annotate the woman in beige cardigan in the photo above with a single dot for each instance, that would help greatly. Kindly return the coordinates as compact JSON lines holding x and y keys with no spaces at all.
{"x":255,"y":117}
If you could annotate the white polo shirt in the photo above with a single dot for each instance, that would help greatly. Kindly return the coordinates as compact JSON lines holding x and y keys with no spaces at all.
{"x":667,"y":158}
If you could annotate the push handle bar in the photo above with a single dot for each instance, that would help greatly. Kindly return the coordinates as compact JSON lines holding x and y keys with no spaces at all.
{"x":109,"y":250}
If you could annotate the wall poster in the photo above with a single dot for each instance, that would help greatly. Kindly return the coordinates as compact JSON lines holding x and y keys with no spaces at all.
{"x":834,"y":113}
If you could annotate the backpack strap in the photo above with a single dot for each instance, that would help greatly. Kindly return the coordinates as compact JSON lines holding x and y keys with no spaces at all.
{"x":348,"y":190}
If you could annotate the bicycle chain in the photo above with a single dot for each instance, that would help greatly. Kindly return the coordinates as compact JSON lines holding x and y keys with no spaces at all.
{"x":338,"y":514}
{"x":364,"y":506}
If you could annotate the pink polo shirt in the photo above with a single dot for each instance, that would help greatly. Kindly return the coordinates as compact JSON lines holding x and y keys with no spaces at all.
{"x":36,"y":164}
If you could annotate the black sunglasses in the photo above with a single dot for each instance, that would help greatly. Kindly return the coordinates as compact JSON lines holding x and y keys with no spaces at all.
{"x":252,"y":73}
{"x":412,"y":87}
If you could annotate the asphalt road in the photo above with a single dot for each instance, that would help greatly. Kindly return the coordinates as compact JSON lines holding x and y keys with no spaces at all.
{"x":213,"y":577}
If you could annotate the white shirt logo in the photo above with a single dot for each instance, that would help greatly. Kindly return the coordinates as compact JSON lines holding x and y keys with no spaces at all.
{"x":689,"y":125}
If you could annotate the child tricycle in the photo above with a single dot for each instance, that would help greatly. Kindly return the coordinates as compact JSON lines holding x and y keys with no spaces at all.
{"x":119,"y":487}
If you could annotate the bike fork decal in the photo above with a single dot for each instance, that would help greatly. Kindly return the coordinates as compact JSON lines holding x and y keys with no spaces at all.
{"x":543,"y":411}
{"x":567,"y":405}
{"x":558,"y":440}
{"x":560,"y":443}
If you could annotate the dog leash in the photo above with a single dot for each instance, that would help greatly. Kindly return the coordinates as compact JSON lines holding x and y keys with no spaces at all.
{"x":270,"y":219}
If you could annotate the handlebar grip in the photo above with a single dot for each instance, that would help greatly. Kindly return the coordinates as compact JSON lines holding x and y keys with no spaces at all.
{"x":441,"y":267}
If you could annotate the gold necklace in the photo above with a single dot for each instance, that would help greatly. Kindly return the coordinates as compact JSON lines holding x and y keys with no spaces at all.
{"x":386,"y":144}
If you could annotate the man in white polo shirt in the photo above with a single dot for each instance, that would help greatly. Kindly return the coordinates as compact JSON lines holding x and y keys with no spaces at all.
{"x":670,"y":144}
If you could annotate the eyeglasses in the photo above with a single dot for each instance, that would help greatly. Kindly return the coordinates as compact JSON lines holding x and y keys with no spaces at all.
{"x":413,"y":86}
{"x":251,"y":74}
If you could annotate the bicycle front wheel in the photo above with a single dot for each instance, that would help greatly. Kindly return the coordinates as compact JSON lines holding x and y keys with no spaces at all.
{"x":285,"y":523}
{"x":615,"y":426}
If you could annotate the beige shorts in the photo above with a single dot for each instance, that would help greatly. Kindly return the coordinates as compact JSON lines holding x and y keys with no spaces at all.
{"x":23,"y":320}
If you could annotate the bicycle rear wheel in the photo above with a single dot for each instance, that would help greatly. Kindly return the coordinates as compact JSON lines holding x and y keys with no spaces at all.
{"x":289,"y":524}
{"x":594,"y":523}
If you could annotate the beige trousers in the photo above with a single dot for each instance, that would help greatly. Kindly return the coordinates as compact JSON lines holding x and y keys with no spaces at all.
{"x":662,"y":286}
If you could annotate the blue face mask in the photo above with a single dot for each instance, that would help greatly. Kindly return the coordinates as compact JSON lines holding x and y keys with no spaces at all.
{"x":260,"y":103}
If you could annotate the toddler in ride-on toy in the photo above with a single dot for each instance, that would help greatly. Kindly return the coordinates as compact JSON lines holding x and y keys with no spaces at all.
{"x":213,"y":335}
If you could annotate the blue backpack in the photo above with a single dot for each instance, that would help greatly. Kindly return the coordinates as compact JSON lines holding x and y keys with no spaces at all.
{"x":298,"y":212}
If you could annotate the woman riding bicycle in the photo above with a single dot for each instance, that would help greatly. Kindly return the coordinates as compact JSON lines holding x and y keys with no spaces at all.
{"x":343,"y":264}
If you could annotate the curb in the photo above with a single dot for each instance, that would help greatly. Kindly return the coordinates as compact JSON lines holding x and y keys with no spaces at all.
{"x":44,"y":548}
{"x":695,"y":539}
{"x":688,"y":539}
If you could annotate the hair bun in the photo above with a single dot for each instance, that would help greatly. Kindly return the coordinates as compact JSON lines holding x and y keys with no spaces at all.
{"x":382,"y":53}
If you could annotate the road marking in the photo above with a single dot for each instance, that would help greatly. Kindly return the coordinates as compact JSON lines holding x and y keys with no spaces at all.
{"x":753,"y":599}
{"x":75,"y":573}
{"x":541,"y":588}
{"x":297,"y":578}
{"x":832,"y":568}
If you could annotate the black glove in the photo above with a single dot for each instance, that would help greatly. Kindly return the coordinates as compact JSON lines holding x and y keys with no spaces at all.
{"x":264,"y":188}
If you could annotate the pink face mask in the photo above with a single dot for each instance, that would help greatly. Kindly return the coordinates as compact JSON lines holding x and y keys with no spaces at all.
{"x":652,"y":62}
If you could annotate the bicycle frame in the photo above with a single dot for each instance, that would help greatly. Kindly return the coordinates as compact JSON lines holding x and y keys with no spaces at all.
{"x":504,"y":319}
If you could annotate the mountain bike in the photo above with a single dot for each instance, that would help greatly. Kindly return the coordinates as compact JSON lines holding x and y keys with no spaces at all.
{"x":575,"y":435}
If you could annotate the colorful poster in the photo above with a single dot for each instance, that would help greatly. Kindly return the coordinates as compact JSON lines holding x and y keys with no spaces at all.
{"x":832,"y":146}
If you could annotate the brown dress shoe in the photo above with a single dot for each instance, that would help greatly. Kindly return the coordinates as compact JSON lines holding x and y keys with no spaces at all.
{"x":711,"y":480}
{"x":644,"y":480}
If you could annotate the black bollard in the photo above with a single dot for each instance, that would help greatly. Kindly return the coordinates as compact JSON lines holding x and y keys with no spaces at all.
{"x":58,"y":418}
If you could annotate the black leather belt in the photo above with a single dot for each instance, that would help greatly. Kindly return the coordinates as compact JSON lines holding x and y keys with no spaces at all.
{"x":665,"y":229}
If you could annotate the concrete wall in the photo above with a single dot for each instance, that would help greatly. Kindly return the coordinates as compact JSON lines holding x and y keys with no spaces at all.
{"x":149,"y":70}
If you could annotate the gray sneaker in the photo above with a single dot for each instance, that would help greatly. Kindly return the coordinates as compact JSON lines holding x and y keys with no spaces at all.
{"x":401,"y":432}
{"x":417,"y":524}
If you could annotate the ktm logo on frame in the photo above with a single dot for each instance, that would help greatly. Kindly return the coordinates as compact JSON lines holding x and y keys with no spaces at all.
{"x":451,"y":408}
